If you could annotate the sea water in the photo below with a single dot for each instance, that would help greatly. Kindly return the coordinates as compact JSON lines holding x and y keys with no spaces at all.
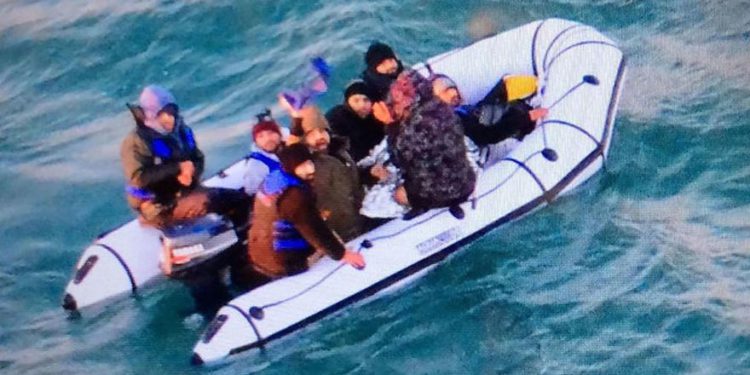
{"x":644,"y":270}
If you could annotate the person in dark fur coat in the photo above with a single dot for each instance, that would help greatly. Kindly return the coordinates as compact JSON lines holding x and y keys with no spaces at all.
{"x":426,"y":142}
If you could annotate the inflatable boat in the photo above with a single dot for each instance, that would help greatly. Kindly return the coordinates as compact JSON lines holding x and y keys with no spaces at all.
{"x":580,"y":73}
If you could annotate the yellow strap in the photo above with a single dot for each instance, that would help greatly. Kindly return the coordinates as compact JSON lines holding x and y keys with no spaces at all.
{"x":519,"y":86}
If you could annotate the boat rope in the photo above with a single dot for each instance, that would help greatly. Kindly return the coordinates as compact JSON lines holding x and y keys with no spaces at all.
{"x":250,"y":321}
{"x":133,"y":285}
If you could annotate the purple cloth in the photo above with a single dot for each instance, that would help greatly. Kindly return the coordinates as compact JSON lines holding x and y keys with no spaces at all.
{"x":153,"y":98}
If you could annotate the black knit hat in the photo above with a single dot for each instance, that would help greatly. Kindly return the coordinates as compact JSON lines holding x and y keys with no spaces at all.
{"x":357,"y":87}
{"x":377,"y":53}
{"x":291,"y":157}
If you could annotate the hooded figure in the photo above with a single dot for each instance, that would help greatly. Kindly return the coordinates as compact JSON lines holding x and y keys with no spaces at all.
{"x":163,"y":165}
{"x":152,"y":155}
{"x":426,"y":142}
{"x":382,"y":69}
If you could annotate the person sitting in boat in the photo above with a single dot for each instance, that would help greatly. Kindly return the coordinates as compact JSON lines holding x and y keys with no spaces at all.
{"x":353,"y":119}
{"x":426,"y":142}
{"x":163,"y":165}
{"x":502,"y":115}
{"x":267,"y":138}
{"x":382,"y":69}
{"x":336,"y":185}
{"x":286,"y":225}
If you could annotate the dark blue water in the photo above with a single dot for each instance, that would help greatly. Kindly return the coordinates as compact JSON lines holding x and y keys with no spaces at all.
{"x":645,"y":270}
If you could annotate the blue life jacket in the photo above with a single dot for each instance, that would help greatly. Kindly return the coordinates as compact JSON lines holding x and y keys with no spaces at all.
{"x":286,"y":238}
{"x":270,"y":163}
{"x":164,"y":148}
{"x":464,"y":110}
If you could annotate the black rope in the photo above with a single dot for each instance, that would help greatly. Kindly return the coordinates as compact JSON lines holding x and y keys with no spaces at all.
{"x":250,"y":321}
{"x":574,"y":126}
{"x":303,"y":291}
{"x":533,"y":48}
{"x":554,"y":40}
{"x":579,"y":44}
{"x":133,"y":285}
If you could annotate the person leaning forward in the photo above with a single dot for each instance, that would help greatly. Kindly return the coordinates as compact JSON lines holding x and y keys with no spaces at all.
{"x":286,"y":226}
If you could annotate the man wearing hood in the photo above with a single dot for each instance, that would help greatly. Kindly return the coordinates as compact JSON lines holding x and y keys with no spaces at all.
{"x":382,"y":69}
{"x":426,"y":142}
{"x":163,"y":165}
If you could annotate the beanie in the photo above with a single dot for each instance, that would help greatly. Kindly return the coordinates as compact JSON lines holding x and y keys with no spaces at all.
{"x":291,"y":157}
{"x":376,"y":53}
{"x":266,"y":125}
{"x":310,"y":119}
{"x":357,"y":87}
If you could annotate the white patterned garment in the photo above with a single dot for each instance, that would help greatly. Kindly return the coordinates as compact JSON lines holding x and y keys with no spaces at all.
{"x":379,"y":202}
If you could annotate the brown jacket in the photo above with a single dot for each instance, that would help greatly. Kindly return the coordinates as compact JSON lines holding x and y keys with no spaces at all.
{"x":295,"y":205}
{"x":337,"y":190}
{"x":146,"y":171}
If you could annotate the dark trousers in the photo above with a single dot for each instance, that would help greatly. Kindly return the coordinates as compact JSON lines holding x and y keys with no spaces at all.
{"x":205,"y":281}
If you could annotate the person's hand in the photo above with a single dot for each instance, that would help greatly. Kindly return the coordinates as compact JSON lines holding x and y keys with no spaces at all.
{"x":191,"y":206}
{"x":379,"y":172}
{"x":286,"y":106}
{"x":187,"y":170}
{"x":400,"y":196}
{"x":536,"y":114}
{"x":353,"y":259}
{"x":381,"y":112}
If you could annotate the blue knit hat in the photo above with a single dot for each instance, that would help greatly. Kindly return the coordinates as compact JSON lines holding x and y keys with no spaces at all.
{"x":153,"y":99}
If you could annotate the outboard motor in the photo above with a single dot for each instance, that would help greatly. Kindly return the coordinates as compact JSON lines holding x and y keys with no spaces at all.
{"x":197,"y":243}
{"x":121,"y":262}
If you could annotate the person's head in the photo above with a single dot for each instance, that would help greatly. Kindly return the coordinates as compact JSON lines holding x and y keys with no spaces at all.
{"x":446,"y":90}
{"x":314,"y":129}
{"x":409,"y":89}
{"x":267,"y":135}
{"x":358,"y":98}
{"x":380,"y":58}
{"x":159,"y":107}
{"x":297,"y":160}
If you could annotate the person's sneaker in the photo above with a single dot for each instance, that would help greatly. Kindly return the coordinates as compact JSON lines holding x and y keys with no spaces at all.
{"x":457,"y":212}
{"x":414,"y":212}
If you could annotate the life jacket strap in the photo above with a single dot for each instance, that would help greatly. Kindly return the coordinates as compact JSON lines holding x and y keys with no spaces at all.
{"x":139,"y":193}
{"x":270,"y":163}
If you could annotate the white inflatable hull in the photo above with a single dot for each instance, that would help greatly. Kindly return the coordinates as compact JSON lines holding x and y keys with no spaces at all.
{"x":578,"y":131}
{"x":124,"y":260}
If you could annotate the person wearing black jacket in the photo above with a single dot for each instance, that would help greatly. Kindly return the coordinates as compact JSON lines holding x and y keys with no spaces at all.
{"x":353,"y":119}
{"x":382,"y":69}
